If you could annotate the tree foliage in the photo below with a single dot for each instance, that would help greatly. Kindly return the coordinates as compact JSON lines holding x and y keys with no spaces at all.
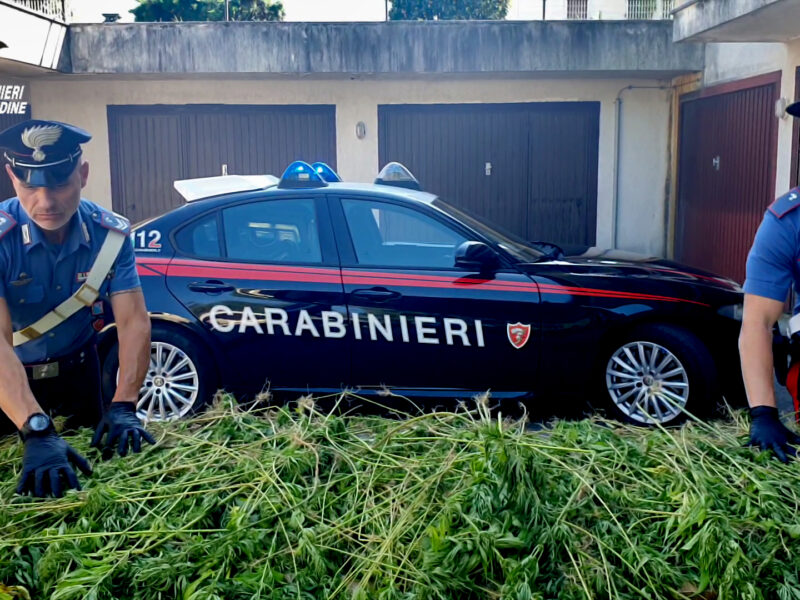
{"x":208,"y":10}
{"x":412,"y":10}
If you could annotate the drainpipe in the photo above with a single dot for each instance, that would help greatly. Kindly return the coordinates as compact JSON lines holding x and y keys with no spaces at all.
{"x":618,"y":152}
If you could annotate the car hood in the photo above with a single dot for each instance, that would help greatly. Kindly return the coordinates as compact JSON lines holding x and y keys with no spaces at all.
{"x":622,"y":263}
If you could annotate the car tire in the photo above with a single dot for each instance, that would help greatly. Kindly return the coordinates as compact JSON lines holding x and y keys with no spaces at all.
{"x":657,"y":374}
{"x":180,"y":380}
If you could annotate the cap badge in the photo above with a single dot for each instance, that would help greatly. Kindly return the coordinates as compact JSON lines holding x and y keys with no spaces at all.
{"x":41,"y":135}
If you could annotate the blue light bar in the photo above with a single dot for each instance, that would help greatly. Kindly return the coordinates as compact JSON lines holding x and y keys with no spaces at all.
{"x":299,"y":175}
{"x":326,"y":172}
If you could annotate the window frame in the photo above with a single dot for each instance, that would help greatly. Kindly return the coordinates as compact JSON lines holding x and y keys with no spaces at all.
{"x":327,"y":245}
{"x":344,"y":238}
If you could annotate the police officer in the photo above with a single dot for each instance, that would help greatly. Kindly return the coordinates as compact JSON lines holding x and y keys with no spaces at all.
{"x":772,"y":267}
{"x":60,"y":258}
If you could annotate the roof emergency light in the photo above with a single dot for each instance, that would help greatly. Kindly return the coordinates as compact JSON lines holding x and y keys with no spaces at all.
{"x":397,"y":175}
{"x":326,"y":172}
{"x":299,"y":175}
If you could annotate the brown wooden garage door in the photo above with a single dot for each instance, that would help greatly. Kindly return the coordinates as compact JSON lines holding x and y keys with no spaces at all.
{"x":726,"y":173}
{"x":6,"y":121}
{"x":152,"y":146}
{"x":530,"y":168}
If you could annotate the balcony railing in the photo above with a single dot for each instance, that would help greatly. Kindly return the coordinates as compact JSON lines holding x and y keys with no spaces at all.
{"x":577,"y":9}
{"x":52,"y":9}
{"x":650,"y":9}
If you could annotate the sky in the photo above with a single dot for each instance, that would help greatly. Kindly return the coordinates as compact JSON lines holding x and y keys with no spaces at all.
{"x":91,"y":11}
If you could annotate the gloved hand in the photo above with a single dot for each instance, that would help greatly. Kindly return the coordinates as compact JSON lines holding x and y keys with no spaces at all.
{"x":768,"y":433}
{"x":46,"y":460}
{"x":121,"y":424}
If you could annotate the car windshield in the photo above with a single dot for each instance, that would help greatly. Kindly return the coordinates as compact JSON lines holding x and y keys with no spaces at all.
{"x":511,"y":243}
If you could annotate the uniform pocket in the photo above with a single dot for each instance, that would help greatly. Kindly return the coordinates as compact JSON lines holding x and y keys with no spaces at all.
{"x":30,"y":293}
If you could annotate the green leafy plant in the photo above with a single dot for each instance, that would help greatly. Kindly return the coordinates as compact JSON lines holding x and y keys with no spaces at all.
{"x":208,"y":10}
{"x":293,"y":503}
{"x":412,"y":10}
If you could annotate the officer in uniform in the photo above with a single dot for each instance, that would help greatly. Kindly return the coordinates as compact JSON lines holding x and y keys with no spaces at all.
{"x":60,"y":258}
{"x":773,"y":265}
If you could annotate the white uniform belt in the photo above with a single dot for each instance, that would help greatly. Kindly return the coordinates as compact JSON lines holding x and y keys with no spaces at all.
{"x":794,"y":324}
{"x":84,"y":297}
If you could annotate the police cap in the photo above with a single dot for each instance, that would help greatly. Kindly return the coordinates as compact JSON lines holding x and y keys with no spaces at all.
{"x":794,"y":109}
{"x":43,"y":153}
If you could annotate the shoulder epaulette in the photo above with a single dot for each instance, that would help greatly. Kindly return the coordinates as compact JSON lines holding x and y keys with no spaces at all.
{"x":111,"y":220}
{"x":786,"y":203}
{"x":7,"y":223}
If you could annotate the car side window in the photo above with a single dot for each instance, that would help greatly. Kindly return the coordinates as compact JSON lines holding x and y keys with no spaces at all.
{"x":272,"y":231}
{"x":389,"y":235}
{"x":200,"y":238}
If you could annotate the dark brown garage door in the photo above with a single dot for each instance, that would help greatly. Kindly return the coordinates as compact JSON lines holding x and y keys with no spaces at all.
{"x":726,"y":173}
{"x":152,"y":146}
{"x":6,"y":121}
{"x":530,"y":168}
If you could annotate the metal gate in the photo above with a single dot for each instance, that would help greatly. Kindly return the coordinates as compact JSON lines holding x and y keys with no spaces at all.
{"x":726,"y":173}
{"x":529,"y":168}
{"x":152,"y":146}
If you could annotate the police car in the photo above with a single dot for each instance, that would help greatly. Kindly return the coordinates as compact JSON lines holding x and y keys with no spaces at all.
{"x":305,"y":284}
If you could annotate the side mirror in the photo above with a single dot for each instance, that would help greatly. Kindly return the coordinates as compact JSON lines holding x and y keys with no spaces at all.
{"x":476,"y":256}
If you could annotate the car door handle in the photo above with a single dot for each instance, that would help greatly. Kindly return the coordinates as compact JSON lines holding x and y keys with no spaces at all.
{"x":211,"y":286}
{"x":376,"y":294}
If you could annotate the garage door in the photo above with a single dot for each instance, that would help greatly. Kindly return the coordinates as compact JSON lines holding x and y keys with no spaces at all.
{"x":6,"y":121}
{"x":726,"y":173}
{"x":152,"y":146}
{"x":530,"y":168}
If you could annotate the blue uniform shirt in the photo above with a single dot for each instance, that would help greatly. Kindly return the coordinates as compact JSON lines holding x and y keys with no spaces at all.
{"x":772,"y":265}
{"x":37,"y":276}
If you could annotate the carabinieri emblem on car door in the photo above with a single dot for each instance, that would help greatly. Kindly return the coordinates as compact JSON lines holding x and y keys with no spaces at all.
{"x":518,"y":334}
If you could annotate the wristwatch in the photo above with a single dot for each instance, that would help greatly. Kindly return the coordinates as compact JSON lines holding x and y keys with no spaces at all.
{"x":37,"y":424}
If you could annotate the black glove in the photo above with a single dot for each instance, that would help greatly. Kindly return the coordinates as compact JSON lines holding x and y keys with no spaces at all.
{"x":122,"y":424}
{"x":768,"y":433}
{"x":46,"y":460}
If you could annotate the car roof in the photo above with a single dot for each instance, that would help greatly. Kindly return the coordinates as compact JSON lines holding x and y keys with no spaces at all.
{"x":383,"y":190}
{"x":204,"y":192}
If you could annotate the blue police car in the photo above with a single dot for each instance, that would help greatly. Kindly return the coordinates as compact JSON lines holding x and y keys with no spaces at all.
{"x":306,"y":284}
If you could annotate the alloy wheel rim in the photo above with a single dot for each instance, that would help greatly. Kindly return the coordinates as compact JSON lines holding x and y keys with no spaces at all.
{"x":171,"y":386}
{"x":647,"y":382}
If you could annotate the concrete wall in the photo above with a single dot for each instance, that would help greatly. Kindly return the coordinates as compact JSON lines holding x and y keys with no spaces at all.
{"x":733,"y":61}
{"x":610,"y":48}
{"x":644,"y":139}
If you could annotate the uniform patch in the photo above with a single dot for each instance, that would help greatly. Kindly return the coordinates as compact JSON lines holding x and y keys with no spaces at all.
{"x":112,"y":221}
{"x":786,"y":203}
{"x":7,"y":223}
{"x":81,"y":277}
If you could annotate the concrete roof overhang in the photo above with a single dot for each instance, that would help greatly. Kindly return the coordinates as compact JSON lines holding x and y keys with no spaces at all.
{"x":737,"y":21}
{"x":379,"y":50}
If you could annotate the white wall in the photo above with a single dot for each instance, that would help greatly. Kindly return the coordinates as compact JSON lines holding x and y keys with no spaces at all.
{"x":644,"y":137}
{"x":644,"y":153}
{"x":731,"y":62}
{"x":785,"y":126}
{"x":557,"y":9}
